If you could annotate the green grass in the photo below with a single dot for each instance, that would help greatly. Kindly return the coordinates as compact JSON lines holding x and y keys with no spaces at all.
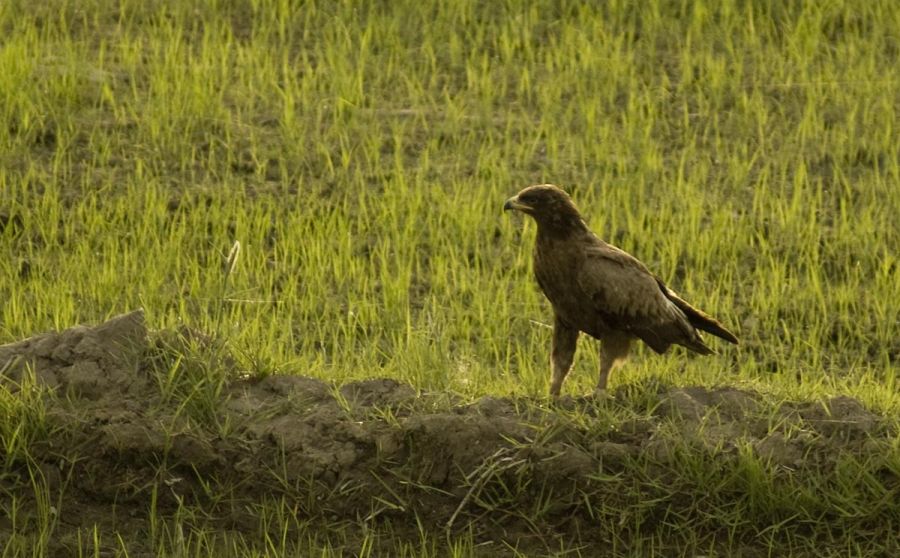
{"x":360,"y":154}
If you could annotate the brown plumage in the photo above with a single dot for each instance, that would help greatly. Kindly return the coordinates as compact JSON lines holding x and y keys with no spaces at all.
{"x":603,"y":291}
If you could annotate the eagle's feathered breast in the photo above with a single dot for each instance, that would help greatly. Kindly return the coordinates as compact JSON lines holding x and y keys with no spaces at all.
{"x":556,"y":265}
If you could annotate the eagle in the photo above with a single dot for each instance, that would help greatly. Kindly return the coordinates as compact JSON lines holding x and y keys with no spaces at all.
{"x":603,"y":291}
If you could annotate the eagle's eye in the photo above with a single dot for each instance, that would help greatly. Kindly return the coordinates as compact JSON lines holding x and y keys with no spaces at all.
{"x":528,"y":197}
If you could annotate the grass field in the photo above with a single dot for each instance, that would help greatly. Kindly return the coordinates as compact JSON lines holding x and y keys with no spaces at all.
{"x":360,"y":153}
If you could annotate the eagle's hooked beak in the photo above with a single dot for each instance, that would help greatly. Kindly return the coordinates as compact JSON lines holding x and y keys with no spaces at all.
{"x":514,"y":203}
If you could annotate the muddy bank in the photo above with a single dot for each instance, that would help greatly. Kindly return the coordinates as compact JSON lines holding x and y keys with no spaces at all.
{"x":132,"y":416}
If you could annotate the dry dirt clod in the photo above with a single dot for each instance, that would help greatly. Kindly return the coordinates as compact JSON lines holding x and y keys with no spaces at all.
{"x":87,"y":362}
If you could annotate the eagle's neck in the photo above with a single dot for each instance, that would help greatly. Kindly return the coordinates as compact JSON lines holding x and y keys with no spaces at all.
{"x":561,"y":226}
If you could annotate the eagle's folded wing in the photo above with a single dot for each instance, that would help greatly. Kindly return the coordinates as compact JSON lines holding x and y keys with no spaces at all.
{"x":630,"y":299}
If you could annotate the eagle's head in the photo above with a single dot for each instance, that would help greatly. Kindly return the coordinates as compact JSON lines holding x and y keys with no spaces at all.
{"x":547,"y":204}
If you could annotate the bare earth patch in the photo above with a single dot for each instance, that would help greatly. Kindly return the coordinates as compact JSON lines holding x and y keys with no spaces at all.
{"x":121,"y":432}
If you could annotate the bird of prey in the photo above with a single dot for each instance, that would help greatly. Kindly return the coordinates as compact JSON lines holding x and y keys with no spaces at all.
{"x":601,"y":290}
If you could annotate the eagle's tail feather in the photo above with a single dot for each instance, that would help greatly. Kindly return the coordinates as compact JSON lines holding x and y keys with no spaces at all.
{"x":700,"y":319}
{"x":698,"y":346}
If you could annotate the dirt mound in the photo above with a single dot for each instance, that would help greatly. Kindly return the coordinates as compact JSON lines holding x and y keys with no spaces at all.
{"x":129,"y":418}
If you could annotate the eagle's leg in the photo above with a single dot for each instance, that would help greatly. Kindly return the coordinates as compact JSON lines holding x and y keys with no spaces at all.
{"x":613,"y":351}
{"x":562,"y":353}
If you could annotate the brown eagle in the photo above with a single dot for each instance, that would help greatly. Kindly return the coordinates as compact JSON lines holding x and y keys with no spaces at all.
{"x":601,"y":290}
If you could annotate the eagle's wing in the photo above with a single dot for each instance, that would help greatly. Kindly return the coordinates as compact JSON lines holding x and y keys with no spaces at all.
{"x":622,"y":290}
